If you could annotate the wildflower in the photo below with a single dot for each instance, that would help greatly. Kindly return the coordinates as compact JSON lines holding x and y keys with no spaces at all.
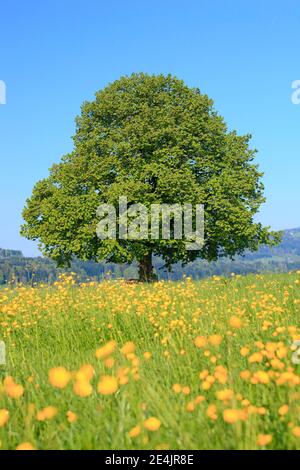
{"x":25,"y":446}
{"x":264,"y":439}
{"x":296,"y":431}
{"x":176,"y":388}
{"x":128,"y":348}
{"x":244,"y":351}
{"x":4,"y":417}
{"x":152,"y":424}
{"x":135,"y":431}
{"x":200,"y":341}
{"x":147,"y":355}
{"x":231,"y":416}
{"x":211,"y":412}
{"x":12,"y":389}
{"x":72,"y":417}
{"x":186,"y":390}
{"x":245,"y":374}
{"x":86,"y":373}
{"x":255,"y":357}
{"x":283,"y":410}
{"x":107,"y":350}
{"x":235,"y":322}
{"x":47,"y":413}
{"x":82,"y":388}
{"x":215,"y":340}
{"x":224,"y":395}
{"x":108,"y":385}
{"x":59,"y":377}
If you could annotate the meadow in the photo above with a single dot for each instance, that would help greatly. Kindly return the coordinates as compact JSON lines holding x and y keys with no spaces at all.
{"x":170,"y":365}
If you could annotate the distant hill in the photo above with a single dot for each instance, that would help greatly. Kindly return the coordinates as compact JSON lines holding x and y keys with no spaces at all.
{"x":14,"y":267}
{"x":10,"y":254}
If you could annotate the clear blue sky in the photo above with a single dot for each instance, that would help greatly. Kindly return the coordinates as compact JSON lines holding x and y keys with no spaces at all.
{"x":55,"y":54}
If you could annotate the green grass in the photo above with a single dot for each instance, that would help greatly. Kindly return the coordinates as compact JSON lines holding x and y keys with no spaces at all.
{"x":63,"y":325}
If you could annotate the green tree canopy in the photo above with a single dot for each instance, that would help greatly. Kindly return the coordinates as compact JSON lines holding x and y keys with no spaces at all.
{"x":154,"y":140}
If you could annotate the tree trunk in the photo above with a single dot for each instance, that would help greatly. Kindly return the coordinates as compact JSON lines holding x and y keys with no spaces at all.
{"x":146,"y":268}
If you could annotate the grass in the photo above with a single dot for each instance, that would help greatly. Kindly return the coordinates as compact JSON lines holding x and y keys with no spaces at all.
{"x":192,"y":333}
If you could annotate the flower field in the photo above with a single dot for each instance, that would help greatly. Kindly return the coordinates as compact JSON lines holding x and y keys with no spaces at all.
{"x":189,"y":365}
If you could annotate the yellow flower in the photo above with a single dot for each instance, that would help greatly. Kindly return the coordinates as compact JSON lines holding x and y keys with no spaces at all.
{"x":176,"y":388}
{"x":200,"y":341}
{"x":224,"y":395}
{"x":296,"y":431}
{"x":82,"y":388}
{"x":283,"y":410}
{"x":264,"y":439}
{"x":4,"y":417}
{"x":72,"y":417}
{"x":135,"y":431}
{"x":25,"y":446}
{"x":215,"y":340}
{"x":186,"y":390}
{"x":59,"y":377}
{"x":108,"y":385}
{"x":47,"y":413}
{"x":231,"y":416}
{"x":244,"y":351}
{"x":152,"y":424}
{"x":12,"y":389}
{"x":107,"y":350}
{"x":211,"y":412}
{"x":128,"y":348}
{"x":235,"y":322}
{"x":147,"y":355}
{"x":255,"y":357}
{"x":86,"y":373}
{"x":245,"y":374}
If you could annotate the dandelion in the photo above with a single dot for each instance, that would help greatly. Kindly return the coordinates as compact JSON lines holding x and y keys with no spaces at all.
{"x":200,"y":341}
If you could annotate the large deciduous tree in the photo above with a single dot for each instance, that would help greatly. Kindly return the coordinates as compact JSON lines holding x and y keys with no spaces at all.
{"x":154,"y":140}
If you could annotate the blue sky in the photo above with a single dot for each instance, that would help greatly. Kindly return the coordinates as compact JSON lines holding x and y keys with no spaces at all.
{"x":55,"y":54}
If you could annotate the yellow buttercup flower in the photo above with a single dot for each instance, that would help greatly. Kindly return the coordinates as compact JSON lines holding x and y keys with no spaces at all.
{"x":25,"y":446}
{"x":264,"y":439}
{"x":108,"y":385}
{"x":152,"y":424}
{"x":47,"y":413}
{"x":135,"y":431}
{"x":82,"y":388}
{"x":59,"y":377}
{"x":4,"y":417}
{"x":235,"y":322}
{"x":107,"y":350}
{"x":72,"y":417}
{"x":128,"y":348}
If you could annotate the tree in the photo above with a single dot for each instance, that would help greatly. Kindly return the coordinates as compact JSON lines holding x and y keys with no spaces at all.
{"x":154,"y":140}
